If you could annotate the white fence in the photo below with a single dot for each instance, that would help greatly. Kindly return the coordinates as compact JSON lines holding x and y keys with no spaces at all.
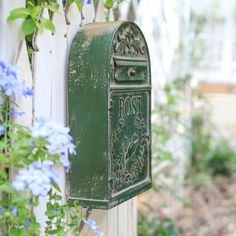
{"x":48,"y":76}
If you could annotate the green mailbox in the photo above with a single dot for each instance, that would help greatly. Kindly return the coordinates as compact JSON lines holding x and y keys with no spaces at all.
{"x":109,"y":88}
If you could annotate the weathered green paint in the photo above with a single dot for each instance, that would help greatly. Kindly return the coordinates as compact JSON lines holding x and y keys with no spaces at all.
{"x":109,"y":86}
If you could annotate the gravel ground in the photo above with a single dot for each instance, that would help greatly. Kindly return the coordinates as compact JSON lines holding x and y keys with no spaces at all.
{"x":212,"y":209}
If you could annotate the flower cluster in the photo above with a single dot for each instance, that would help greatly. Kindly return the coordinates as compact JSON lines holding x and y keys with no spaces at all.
{"x":58,"y":139}
{"x":36,"y":150}
{"x":37,"y":178}
{"x":10,"y":83}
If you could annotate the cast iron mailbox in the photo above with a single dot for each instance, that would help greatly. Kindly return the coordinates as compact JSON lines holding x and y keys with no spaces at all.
{"x":109,"y":86}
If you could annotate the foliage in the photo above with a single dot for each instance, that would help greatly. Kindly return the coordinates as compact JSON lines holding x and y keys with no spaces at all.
{"x":222,"y":159}
{"x":33,"y":151}
{"x":34,"y":19}
{"x":167,"y":121}
{"x":79,"y":3}
{"x":209,"y":155}
{"x":162,"y":226}
{"x":32,"y":16}
{"x":201,"y":136}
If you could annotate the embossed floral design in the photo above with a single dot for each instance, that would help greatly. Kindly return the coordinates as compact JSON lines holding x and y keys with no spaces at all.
{"x":129,"y":42}
{"x":129,"y":163}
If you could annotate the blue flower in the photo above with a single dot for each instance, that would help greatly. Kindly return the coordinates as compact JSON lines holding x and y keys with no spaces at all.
{"x":10,"y":82}
{"x":28,"y":92}
{"x":28,"y":222}
{"x":32,"y":143}
{"x":58,"y":138}
{"x":15,"y":211}
{"x":2,"y":129}
{"x":88,"y":2}
{"x":65,"y":162}
{"x":16,"y":113}
{"x":37,"y":178}
{"x":93,"y":226}
{"x":26,"y":227}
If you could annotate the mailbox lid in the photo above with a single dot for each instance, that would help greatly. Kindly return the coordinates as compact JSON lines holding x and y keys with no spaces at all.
{"x":131,"y":63}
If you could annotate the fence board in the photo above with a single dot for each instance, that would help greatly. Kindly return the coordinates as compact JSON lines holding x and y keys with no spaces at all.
{"x":74,"y":26}
{"x":10,"y":32}
{"x":58,"y":92}
{"x":59,"y":53}
{"x":42,"y":74}
{"x":25,"y":73}
{"x":122,"y":215}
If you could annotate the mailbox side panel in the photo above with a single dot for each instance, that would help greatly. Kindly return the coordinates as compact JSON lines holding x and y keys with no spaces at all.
{"x":87,"y":117}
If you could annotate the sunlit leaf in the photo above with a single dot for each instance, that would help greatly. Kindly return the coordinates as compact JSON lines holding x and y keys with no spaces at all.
{"x":29,"y":26}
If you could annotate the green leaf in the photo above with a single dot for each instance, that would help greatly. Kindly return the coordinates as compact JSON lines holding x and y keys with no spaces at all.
{"x":47,"y":24}
{"x":18,"y":13}
{"x":29,"y":26}
{"x":56,"y":197}
{"x":52,"y":6}
{"x":79,"y":5}
{"x":56,"y":186}
{"x":36,"y":12}
{"x":109,"y":4}
{"x":6,"y":188}
{"x":71,"y":1}
{"x":52,"y":231}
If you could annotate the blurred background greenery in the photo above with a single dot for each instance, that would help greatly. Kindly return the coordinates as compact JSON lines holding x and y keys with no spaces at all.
{"x":193,"y":53}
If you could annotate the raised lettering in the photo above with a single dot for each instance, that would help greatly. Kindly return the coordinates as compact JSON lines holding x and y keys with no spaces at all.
{"x":121,"y":107}
{"x":127,"y":106}
{"x":134,"y":105}
{"x":139,"y":98}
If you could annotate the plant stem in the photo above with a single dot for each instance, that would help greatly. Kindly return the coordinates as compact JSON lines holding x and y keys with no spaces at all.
{"x":5,"y":110}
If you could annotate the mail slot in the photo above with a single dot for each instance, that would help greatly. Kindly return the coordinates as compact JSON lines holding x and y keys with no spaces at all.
{"x":109,"y":99}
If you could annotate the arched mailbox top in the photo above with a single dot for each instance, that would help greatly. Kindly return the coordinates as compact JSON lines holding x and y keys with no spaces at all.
{"x":109,"y":93}
{"x":129,"y":42}
{"x":117,"y":48}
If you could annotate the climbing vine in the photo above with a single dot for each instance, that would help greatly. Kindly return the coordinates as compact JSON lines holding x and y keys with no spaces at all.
{"x":34,"y":19}
{"x":32,"y":15}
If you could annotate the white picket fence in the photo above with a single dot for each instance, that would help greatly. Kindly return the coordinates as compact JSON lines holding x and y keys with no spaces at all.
{"x":48,"y":77}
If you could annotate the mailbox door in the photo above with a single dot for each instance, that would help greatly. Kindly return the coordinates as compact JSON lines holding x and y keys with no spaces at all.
{"x":129,"y":118}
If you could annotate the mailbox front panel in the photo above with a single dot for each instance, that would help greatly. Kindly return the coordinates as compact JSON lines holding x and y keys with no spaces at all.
{"x":109,"y":104}
{"x":129,"y":140}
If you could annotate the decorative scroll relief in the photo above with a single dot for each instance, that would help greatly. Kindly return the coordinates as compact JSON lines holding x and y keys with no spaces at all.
{"x":129,"y":42}
{"x":130,"y":139}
